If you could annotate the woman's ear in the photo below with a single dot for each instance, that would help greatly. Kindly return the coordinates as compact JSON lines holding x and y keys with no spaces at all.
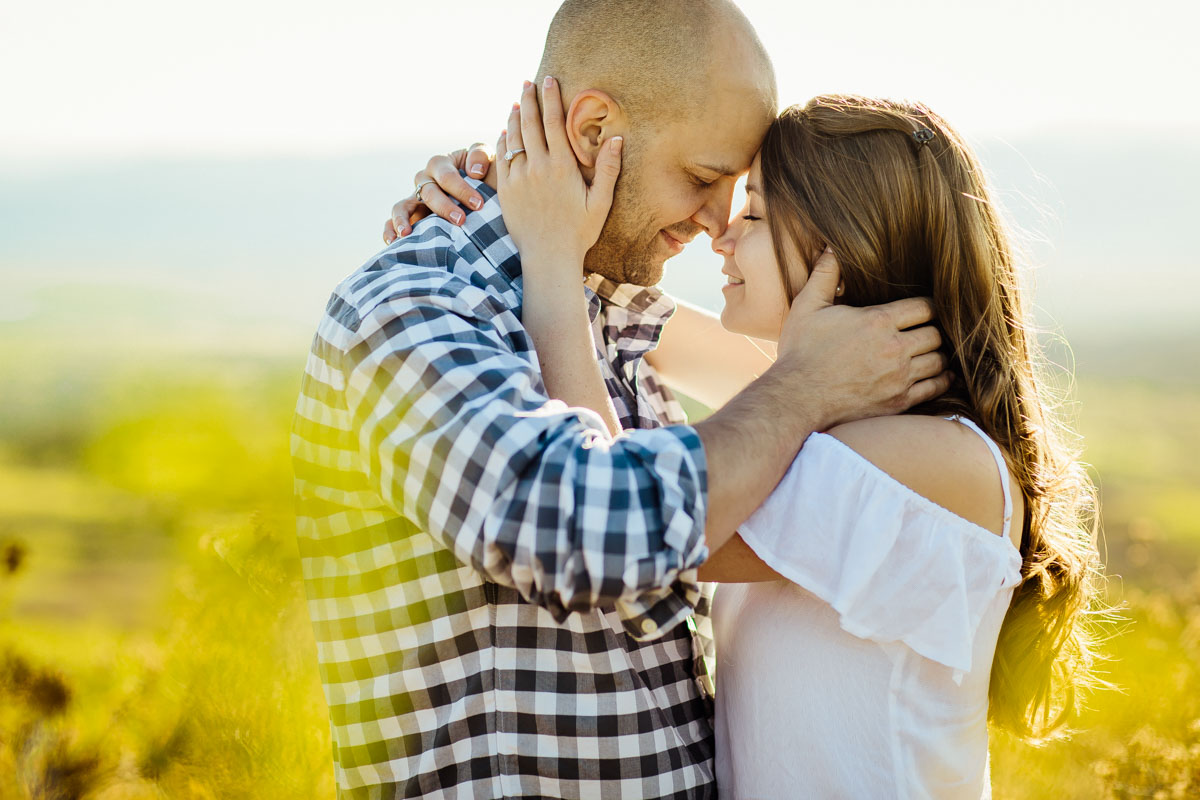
{"x":592,"y":119}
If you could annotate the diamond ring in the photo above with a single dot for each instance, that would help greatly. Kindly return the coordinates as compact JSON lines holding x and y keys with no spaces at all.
{"x":420,"y":186}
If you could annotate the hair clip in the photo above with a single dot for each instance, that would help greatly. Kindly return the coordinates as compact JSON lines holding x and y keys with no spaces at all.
{"x":923,"y":136}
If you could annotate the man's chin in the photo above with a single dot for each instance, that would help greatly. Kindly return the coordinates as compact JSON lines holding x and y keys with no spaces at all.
{"x":639,"y":272}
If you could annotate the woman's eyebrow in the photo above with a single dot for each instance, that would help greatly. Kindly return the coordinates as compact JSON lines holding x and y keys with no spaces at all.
{"x":752,"y":187}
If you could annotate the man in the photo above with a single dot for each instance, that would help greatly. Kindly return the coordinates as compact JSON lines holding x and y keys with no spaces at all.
{"x":503,"y":603}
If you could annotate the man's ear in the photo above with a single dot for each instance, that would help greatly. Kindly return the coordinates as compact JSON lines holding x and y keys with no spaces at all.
{"x":592,"y":119}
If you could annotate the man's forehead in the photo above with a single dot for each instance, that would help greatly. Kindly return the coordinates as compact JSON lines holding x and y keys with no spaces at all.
{"x":723,"y":141}
{"x":717,"y":153}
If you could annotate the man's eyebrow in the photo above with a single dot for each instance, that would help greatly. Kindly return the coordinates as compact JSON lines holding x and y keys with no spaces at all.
{"x":720,"y":169}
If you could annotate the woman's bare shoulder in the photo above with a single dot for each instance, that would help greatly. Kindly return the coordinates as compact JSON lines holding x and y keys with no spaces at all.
{"x":939,"y":459}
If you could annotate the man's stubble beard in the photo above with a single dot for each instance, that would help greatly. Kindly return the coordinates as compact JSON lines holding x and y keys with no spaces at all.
{"x":619,"y":254}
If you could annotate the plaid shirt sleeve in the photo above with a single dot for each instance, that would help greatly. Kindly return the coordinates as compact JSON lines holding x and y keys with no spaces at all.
{"x":458,"y":436}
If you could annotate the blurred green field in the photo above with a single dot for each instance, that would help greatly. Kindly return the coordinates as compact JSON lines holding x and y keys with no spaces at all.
{"x":154,"y":641}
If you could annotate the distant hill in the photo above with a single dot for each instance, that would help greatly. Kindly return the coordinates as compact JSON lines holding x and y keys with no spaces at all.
{"x":210,"y":244}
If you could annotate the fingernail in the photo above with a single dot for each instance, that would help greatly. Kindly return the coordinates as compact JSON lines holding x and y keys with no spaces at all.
{"x":475,"y":203}
{"x":388,"y":239}
{"x":616,"y":143}
{"x":548,"y":82}
{"x":457,"y":217}
{"x":516,"y":107}
{"x":477,"y":169}
{"x":526,"y":86}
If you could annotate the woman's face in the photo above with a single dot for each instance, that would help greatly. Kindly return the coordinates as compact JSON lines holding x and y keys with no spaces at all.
{"x":756,"y":302}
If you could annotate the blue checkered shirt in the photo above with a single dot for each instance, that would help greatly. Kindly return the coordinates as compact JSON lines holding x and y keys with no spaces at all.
{"x":502,"y":599}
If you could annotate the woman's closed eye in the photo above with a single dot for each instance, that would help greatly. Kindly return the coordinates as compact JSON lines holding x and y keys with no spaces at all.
{"x":750,"y":217}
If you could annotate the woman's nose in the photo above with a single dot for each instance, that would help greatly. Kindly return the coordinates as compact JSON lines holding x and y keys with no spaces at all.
{"x":723,"y":244}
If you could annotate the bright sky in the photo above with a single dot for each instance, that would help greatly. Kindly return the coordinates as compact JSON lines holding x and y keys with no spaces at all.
{"x":85,"y":79}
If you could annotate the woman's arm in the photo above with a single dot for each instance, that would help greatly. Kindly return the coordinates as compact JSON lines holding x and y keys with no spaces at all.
{"x":554,"y":217}
{"x":555,"y":314}
{"x":706,"y":362}
{"x":695,"y":355}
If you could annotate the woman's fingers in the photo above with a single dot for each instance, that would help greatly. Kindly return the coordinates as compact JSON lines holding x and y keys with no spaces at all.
{"x":440,"y":204}
{"x":502,"y":164}
{"x":458,"y":157}
{"x":531,"y":123}
{"x":513,"y":134}
{"x":440,"y":185}
{"x":445,"y":172}
{"x":404,"y":214}
{"x":478,"y":160}
{"x":608,"y":167}
{"x":553,"y":119}
{"x":399,"y":219}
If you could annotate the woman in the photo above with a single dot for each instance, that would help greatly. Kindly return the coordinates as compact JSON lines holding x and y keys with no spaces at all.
{"x":911,"y":577}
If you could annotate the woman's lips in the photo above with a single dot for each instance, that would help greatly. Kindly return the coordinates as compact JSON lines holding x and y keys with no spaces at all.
{"x":732,"y":283}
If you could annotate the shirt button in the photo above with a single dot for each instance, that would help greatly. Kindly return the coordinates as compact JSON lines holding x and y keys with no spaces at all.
{"x":649,"y":626}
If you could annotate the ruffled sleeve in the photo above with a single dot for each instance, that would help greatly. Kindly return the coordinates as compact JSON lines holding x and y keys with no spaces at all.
{"x":893,"y":564}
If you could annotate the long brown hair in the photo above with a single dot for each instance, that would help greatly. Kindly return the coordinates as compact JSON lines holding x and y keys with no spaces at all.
{"x":903,"y":203}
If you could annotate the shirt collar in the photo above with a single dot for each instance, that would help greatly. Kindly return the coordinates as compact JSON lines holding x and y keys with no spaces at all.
{"x":649,"y":301}
{"x":486,"y":230}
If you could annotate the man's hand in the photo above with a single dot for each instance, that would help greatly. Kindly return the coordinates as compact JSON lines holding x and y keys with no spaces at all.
{"x":860,"y":362}
{"x":836,"y":364}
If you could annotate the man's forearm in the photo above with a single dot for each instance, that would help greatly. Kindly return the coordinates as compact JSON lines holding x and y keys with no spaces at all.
{"x":749,"y":445}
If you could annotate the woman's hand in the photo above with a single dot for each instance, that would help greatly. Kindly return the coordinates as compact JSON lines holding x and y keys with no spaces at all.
{"x":549,"y":209}
{"x":554,"y":218}
{"x":441,"y":185}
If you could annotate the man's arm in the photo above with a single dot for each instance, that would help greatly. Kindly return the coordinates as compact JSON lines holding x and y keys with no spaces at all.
{"x":836,"y":364}
{"x":735,"y":562}
{"x":456,"y":435}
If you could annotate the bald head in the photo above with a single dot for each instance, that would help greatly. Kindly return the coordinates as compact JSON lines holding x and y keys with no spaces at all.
{"x":688,"y":86}
{"x":656,"y":58}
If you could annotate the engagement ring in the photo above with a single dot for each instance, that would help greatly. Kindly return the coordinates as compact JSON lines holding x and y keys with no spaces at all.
{"x":420,"y":186}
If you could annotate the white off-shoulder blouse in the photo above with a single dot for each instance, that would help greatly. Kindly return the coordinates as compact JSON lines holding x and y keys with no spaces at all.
{"x":865,"y":675}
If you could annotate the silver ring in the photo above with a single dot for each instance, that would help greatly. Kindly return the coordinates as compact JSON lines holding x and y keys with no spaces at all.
{"x":420,"y":186}
{"x":511,"y":154}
